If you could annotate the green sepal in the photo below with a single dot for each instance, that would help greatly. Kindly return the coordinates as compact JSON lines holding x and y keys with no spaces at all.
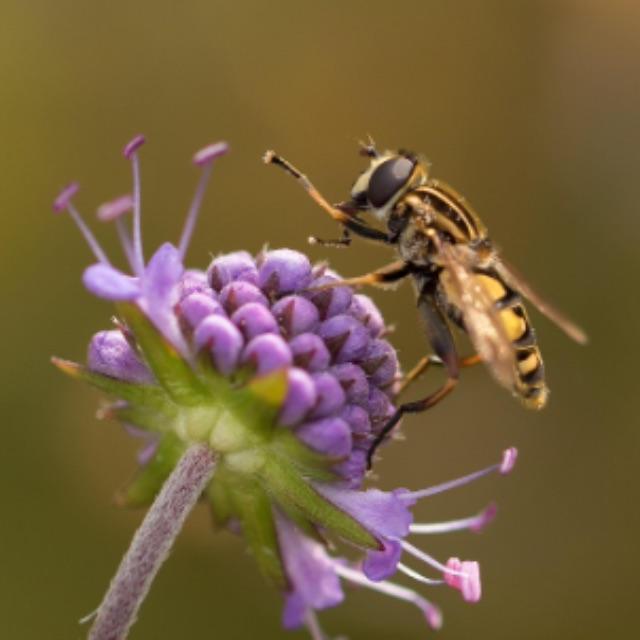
{"x":149,"y":395}
{"x":310,"y":464}
{"x":219,"y":496}
{"x":254,"y":509}
{"x":142,"y":416}
{"x":172,"y":371}
{"x":258,"y":403}
{"x":294,"y":492}
{"x":150,"y":478}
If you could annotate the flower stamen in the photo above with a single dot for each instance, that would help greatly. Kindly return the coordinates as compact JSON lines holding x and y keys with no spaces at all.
{"x":418,"y":577}
{"x":115,"y":210}
{"x":130,"y":152}
{"x":203,"y":158}
{"x":431,"y":612}
{"x":474,"y":523}
{"x":64,"y":203}
{"x":505,"y":466}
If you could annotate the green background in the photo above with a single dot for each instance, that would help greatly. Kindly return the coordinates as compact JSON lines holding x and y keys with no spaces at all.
{"x":531,"y":109}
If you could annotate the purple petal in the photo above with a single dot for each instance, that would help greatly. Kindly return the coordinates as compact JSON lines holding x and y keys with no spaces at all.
{"x":310,"y":352}
{"x":236,"y":294}
{"x":380,"y":565}
{"x":194,"y":280}
{"x":358,"y":420}
{"x":353,"y":381}
{"x":195,"y":307}
{"x":111,"y":354}
{"x":267,"y":353}
{"x":330,"y":395}
{"x":254,"y":319}
{"x":284,"y":271}
{"x":353,"y":469}
{"x":301,"y":397}
{"x":161,"y":276}
{"x":380,"y":408}
{"x":380,"y":362}
{"x":295,"y":315}
{"x":363,"y":309}
{"x":160,"y":292}
{"x":345,"y":338}
{"x":109,"y":283}
{"x":330,"y":302}
{"x":223,"y":341}
{"x":331,"y":436}
{"x":310,"y":571}
{"x":384,"y":514}
{"x":233,"y":266}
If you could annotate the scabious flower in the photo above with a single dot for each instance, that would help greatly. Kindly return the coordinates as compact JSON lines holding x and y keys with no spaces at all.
{"x":285,"y":383}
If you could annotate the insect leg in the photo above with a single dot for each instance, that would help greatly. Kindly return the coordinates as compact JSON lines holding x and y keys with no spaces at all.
{"x":378,"y":278}
{"x":425,"y":362}
{"x":340,"y":243}
{"x":441,"y":341}
{"x":357,"y":227}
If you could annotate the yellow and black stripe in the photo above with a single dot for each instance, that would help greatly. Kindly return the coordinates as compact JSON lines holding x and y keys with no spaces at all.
{"x":529,"y":377}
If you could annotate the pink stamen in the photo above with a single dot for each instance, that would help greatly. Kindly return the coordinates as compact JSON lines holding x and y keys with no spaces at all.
{"x":61,"y":203}
{"x":417,"y":576}
{"x":430,"y":611}
{"x":210,"y":153}
{"x":130,"y":152}
{"x":313,"y":625}
{"x":474,"y":523}
{"x":113,"y":209}
{"x":504,"y":466}
{"x":203,"y":158}
{"x":425,"y":557}
{"x":465,"y":577}
{"x":509,"y":457}
{"x":133,"y":145}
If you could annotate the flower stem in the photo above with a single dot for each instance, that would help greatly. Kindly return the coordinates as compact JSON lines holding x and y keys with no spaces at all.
{"x":152,"y":543}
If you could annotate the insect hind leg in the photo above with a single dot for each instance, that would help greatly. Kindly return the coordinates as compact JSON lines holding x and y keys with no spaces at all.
{"x":417,"y":406}
{"x":444,"y":347}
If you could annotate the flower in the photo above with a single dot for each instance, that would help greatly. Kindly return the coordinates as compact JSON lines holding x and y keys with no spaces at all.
{"x":288,"y":383}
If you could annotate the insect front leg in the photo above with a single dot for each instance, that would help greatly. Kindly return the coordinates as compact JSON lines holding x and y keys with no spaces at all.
{"x":340,"y":243}
{"x":351,"y":223}
{"x":379,"y":278}
{"x":443,"y":345}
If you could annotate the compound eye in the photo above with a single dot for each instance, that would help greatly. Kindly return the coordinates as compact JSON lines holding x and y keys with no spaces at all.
{"x":388,"y":179}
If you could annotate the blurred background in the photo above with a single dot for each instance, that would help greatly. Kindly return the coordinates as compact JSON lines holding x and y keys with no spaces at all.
{"x":531,"y":109}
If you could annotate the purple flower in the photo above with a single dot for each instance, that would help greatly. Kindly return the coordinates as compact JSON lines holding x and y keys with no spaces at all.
{"x":288,"y":384}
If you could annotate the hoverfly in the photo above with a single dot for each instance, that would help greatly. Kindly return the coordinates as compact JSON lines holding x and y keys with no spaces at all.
{"x":457,"y":274}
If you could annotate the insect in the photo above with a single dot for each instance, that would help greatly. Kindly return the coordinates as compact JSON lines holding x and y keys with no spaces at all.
{"x":459,"y":279}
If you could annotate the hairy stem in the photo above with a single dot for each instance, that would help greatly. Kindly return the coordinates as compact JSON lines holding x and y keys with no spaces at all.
{"x":152,"y":543}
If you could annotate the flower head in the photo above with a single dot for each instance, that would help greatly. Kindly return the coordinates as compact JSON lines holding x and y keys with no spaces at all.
{"x":287,"y":384}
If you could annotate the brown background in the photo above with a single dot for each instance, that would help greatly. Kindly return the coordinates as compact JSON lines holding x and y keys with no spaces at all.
{"x":529,"y":108}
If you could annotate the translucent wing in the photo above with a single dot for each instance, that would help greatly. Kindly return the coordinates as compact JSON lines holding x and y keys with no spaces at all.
{"x":514,"y":280}
{"x":481,"y":319}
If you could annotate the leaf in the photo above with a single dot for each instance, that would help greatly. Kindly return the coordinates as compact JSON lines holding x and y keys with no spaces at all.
{"x":149,"y":395}
{"x":172,"y":371}
{"x":258,"y":527}
{"x":292,"y":490}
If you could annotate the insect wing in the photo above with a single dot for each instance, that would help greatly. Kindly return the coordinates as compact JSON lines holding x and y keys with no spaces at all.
{"x":514,"y":280}
{"x":481,"y":319}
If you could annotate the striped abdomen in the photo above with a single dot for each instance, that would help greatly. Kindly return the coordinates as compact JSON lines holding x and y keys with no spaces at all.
{"x":528,"y":380}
